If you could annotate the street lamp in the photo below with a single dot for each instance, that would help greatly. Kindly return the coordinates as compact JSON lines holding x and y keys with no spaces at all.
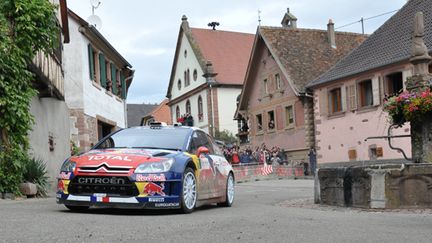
{"x":210,"y":80}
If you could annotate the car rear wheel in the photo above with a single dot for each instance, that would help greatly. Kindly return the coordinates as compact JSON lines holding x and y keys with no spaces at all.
{"x":229,"y":192}
{"x":189,"y":191}
{"x":77,"y":208}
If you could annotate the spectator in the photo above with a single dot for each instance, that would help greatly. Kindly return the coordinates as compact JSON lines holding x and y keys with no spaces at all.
{"x":235,"y":155}
{"x":271,"y":124}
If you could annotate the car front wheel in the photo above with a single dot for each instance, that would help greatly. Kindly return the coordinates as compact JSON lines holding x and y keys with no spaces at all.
{"x":189,"y":192}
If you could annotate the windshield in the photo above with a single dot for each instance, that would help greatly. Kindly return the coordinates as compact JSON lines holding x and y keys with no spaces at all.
{"x":144,"y":137}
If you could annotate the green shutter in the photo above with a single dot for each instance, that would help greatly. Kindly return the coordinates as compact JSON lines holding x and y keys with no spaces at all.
{"x":102,"y":70}
{"x":91,"y":61}
{"x":114,"y":79}
{"x":123,"y":85}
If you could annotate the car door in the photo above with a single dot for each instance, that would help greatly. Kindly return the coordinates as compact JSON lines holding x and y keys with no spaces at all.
{"x":205,"y":176}
{"x":220,"y":164}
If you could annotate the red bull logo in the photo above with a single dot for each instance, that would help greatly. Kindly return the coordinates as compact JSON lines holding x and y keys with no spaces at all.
{"x":154,"y":189}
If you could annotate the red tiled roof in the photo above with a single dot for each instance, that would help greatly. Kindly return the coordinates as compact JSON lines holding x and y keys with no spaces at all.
{"x":228,"y":51}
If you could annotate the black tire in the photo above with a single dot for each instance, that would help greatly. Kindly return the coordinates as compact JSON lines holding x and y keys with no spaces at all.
{"x":188,"y":204}
{"x":228,"y":200}
{"x":77,"y":208}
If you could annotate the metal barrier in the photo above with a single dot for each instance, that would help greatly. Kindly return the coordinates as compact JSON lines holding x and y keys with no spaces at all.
{"x":257,"y":171}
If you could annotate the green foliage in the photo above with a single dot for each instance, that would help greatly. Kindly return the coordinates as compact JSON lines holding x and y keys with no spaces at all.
{"x":34,"y":171}
{"x":26,"y":27}
{"x":225,"y":136}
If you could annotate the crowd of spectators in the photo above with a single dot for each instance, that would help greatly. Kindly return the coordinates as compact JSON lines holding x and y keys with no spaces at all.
{"x":186,"y":120}
{"x":261,"y":154}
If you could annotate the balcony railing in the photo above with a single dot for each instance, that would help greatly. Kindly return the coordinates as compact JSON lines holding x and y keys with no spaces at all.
{"x":49,"y":75}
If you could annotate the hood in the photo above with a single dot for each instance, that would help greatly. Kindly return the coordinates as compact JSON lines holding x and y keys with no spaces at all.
{"x":120,"y":158}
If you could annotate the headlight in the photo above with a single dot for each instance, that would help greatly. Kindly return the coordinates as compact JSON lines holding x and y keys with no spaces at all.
{"x":155,"y":167}
{"x":68,"y":166}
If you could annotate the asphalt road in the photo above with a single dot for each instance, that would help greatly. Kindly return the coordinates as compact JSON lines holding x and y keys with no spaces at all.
{"x":263,"y":211}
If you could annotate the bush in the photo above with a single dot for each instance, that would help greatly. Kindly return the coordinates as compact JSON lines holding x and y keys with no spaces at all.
{"x":34,"y":171}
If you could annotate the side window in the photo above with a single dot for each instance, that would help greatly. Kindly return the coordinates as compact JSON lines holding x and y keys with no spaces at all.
{"x":217,"y":150}
{"x":194,"y":143}
{"x":199,"y":139}
{"x":205,"y":141}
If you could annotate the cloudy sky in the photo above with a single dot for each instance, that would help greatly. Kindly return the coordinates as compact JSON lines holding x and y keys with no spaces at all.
{"x":145,"y":32}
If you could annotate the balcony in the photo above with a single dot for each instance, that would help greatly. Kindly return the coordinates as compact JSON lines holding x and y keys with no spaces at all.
{"x":49,"y":75}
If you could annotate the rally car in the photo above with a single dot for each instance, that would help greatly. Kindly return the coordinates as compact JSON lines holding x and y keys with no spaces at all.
{"x":154,"y":166}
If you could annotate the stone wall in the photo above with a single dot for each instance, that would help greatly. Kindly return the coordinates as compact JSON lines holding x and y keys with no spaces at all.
{"x":377,"y":186}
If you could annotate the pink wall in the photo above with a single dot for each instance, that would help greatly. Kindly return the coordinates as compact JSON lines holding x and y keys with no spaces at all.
{"x":336,"y":135}
{"x":288,"y":138}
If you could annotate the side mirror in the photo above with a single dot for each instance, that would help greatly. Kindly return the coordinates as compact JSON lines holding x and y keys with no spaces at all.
{"x":202,"y":150}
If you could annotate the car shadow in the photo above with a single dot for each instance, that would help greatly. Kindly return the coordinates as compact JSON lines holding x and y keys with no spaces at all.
{"x":138,"y":212}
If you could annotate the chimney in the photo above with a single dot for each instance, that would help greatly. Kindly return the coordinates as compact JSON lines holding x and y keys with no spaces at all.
{"x":289,"y":20}
{"x":331,"y":34}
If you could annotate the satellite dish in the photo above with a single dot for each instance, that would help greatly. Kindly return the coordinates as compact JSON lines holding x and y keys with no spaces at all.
{"x":95,"y":21}
{"x":95,"y":3}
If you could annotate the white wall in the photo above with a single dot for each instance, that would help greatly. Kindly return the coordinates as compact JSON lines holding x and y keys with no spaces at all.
{"x":73,"y":56}
{"x":227,"y":105}
{"x":80,"y":90}
{"x":51,"y":118}
{"x":194,"y":110}
{"x":183,"y":63}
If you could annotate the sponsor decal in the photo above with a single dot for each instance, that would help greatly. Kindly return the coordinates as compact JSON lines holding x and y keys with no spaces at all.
{"x":150,"y":177}
{"x":154,"y":189}
{"x":101,"y":180}
{"x":109,"y":157}
{"x":65,"y":175}
{"x":99,"y":194}
{"x":167,"y":204}
{"x":156,"y":199}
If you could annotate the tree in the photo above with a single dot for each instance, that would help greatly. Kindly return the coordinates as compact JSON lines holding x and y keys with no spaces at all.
{"x":225,"y":136}
{"x":26,"y":27}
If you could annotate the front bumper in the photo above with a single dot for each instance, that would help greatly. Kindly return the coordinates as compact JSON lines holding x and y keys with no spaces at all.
{"x":152,"y":202}
{"x":163,"y":192}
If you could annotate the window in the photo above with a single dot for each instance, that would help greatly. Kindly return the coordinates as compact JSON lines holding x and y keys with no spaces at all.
{"x":289,"y":116}
{"x":278,"y":81}
{"x":259,"y":122}
{"x":335,"y":100}
{"x":188,"y":77}
{"x":365,"y":93}
{"x":108,"y":75}
{"x":188,"y":107}
{"x":265,"y":86}
{"x":177,"y":113}
{"x":271,"y":121}
{"x":104,"y":129}
{"x":179,"y":84}
{"x":195,"y":75}
{"x":185,"y":79}
{"x":394,"y":83}
{"x":200,"y":109}
{"x":185,"y":53}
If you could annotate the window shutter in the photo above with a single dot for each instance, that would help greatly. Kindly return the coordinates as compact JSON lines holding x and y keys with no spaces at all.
{"x":102,"y":70}
{"x":344,"y":98}
{"x":91,"y":62}
{"x":114,"y":79}
{"x":405,"y":75}
{"x":123,"y":85}
{"x":352,"y":97}
{"x":323,"y":102}
{"x":376,"y":91}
